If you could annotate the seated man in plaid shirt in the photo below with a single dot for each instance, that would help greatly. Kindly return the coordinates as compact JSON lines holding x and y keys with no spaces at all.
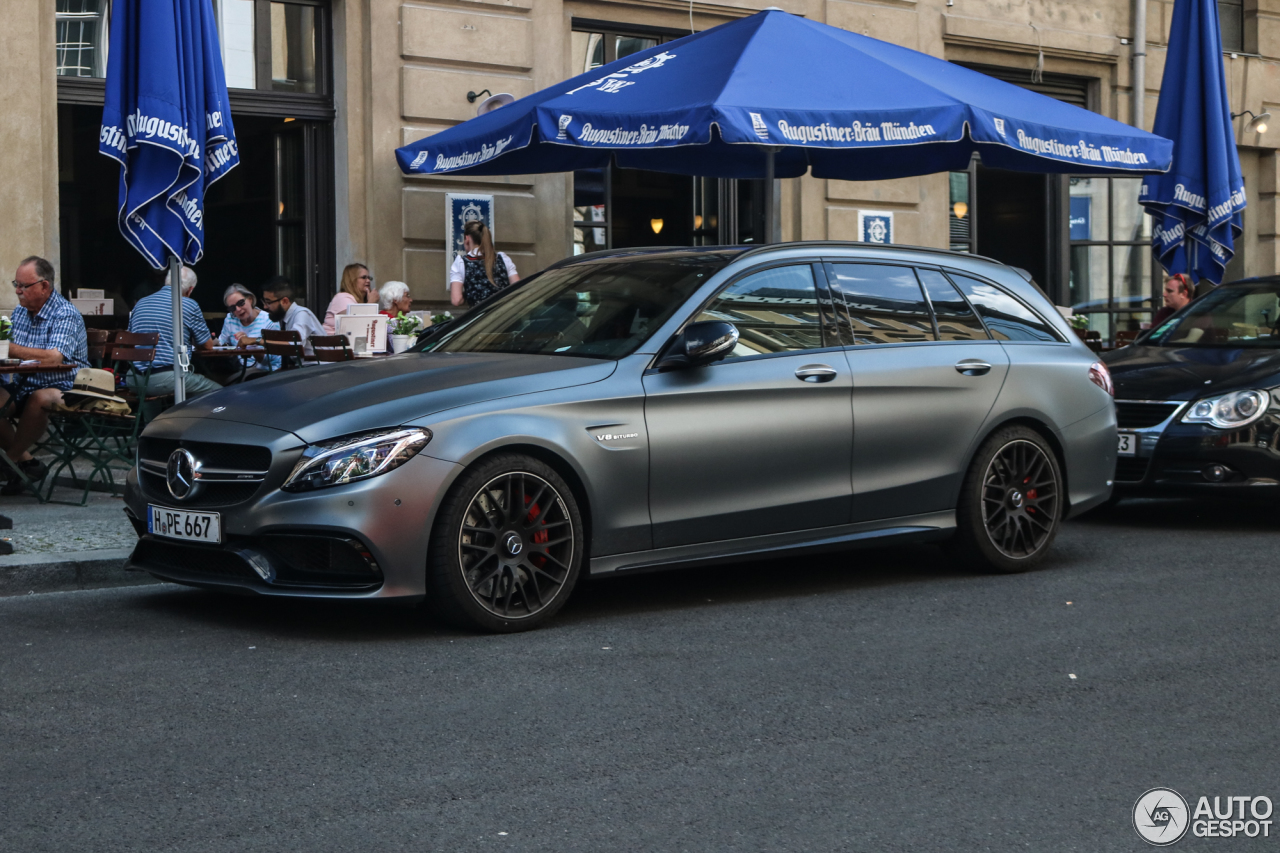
{"x":48,"y":329}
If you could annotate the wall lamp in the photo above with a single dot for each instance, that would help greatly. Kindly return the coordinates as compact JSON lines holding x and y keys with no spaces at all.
{"x":490,"y":103}
{"x":1257,"y":123}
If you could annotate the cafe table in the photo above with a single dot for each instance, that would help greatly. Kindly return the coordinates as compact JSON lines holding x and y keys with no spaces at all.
{"x":238,"y":351}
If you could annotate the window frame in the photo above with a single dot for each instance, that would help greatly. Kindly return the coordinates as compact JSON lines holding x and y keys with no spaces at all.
{"x":815,"y":269}
{"x":950,"y":272}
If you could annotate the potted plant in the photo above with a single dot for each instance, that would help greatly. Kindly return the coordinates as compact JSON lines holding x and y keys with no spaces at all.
{"x":403,"y":328}
{"x":6,"y":331}
{"x":1080,"y":322}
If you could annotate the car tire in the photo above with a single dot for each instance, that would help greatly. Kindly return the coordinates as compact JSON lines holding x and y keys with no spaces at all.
{"x":1010,"y":505}
{"x":495,"y":570}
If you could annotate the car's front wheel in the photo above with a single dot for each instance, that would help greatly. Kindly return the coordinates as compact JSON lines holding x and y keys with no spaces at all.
{"x":507,"y":546}
{"x":1010,"y":504}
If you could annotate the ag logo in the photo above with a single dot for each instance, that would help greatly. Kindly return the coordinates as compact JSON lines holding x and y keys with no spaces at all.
{"x":1160,"y":816}
{"x":563,"y":126}
{"x":758,"y":125}
{"x":419,"y":160}
{"x":999,"y":122}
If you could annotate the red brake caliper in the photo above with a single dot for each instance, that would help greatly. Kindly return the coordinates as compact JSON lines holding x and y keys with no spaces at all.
{"x":1031,"y":495}
{"x":542,"y":536}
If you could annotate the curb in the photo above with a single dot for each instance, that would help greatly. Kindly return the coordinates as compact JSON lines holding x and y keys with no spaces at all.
{"x":27,"y":574}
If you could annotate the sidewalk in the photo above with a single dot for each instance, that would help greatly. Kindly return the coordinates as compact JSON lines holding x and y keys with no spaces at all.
{"x":58,"y":548}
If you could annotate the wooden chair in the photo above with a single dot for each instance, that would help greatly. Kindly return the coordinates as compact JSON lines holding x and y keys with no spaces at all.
{"x":332,"y":348}
{"x":287,"y":345}
{"x":1124,"y":337}
{"x":99,"y":340}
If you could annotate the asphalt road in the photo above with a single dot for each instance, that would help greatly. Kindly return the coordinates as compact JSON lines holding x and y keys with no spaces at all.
{"x":874,"y":701}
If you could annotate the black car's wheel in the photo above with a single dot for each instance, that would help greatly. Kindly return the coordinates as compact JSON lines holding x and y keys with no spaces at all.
{"x":507,"y":546}
{"x":1010,"y":504}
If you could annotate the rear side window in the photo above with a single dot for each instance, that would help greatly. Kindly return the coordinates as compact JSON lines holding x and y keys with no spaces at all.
{"x":775,"y":310}
{"x":1007,"y":319}
{"x":956,"y":320}
{"x":885,"y":304}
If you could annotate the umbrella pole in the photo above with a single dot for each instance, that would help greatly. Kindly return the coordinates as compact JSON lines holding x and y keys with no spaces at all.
{"x":179,"y":339}
{"x":770,"y":213}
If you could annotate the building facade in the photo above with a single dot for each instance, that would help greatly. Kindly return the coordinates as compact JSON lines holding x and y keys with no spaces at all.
{"x":323,"y":92}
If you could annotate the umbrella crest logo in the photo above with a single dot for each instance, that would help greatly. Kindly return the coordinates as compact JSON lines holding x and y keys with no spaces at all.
{"x":758,"y":125}
{"x":419,"y":160}
{"x":563,"y":127}
{"x":999,"y":123}
{"x":1160,"y":817}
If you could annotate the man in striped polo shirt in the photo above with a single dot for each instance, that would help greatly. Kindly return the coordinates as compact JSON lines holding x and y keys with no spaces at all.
{"x":154,"y":315}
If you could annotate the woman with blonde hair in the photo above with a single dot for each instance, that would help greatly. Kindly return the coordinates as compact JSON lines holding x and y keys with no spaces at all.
{"x":357,"y":286}
{"x":476,"y":274}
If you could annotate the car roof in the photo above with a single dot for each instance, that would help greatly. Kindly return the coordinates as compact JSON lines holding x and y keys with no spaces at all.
{"x":745,"y":250}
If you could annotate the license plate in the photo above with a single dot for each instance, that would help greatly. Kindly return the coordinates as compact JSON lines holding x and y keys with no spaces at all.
{"x":180,"y":524}
{"x":1128,"y":444}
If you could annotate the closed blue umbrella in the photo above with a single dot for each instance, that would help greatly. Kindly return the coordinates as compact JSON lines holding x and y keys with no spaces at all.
{"x":776,"y":94}
{"x":1196,"y":205}
{"x":166,"y":120}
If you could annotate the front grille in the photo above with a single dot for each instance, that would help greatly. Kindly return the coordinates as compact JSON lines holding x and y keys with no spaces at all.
{"x":1131,"y":469}
{"x":1134,"y":415}
{"x":191,"y":560}
{"x":310,"y":561}
{"x":231,"y":457}
{"x":212,"y":494}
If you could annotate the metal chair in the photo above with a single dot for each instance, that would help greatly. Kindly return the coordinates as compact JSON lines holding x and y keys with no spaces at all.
{"x":332,"y":348}
{"x":286,"y":344}
{"x":104,"y":440}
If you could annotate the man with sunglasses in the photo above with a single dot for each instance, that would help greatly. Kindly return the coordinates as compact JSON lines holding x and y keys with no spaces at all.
{"x":277,"y":298}
{"x":154,"y":315}
{"x":46,"y":328}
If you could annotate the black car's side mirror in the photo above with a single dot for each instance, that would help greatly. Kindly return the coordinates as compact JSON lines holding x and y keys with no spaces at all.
{"x":700,"y":344}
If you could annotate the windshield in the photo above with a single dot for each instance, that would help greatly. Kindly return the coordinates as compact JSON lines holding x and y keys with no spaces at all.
{"x":599,"y":309}
{"x":1228,"y":317}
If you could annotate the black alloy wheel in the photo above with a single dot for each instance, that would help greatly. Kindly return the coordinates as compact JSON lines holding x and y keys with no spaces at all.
{"x":508,"y":547}
{"x":1010,"y":504}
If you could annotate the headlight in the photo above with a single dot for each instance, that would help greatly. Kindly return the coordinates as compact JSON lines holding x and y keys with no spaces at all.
{"x":356,"y":457}
{"x":1237,"y":409}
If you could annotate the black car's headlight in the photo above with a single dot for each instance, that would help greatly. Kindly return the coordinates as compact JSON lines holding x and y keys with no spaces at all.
{"x":356,"y":457}
{"x":1229,"y":411}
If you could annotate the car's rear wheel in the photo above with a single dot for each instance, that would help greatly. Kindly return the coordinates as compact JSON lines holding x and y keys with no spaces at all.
{"x":1010,"y":504}
{"x":507,"y":546}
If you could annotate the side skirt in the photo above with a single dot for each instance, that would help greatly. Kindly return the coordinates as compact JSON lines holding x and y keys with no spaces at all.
{"x":928,"y":527}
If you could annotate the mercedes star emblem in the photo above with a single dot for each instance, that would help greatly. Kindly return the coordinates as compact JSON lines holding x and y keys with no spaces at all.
{"x":182,"y":474}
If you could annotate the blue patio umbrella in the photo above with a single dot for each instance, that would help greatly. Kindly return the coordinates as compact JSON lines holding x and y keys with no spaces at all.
{"x":1196,"y":205}
{"x":779,"y":95}
{"x":166,"y":120}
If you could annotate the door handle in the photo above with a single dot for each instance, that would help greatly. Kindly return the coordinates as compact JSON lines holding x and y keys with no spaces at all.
{"x":816,"y":373}
{"x":972,"y":367}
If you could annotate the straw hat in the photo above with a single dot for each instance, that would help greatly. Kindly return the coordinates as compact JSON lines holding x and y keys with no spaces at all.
{"x":94,"y":382}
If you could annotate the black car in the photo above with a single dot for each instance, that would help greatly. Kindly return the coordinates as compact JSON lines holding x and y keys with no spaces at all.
{"x":1196,"y":397}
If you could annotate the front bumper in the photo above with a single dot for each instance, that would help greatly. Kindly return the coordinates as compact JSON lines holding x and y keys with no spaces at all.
{"x":1200,"y":459}
{"x":361,"y":540}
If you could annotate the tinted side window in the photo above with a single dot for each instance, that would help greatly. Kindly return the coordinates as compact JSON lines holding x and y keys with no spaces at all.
{"x":1006,"y":318}
{"x":775,"y":310}
{"x":885,"y":303}
{"x":956,"y":320}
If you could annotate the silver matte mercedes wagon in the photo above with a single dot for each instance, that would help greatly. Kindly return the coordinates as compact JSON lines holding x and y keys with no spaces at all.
{"x":642,"y":409}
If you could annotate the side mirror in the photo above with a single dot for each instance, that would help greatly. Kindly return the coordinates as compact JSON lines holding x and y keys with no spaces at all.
{"x":700,"y":344}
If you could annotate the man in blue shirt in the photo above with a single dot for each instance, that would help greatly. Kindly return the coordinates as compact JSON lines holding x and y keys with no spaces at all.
{"x":46,"y":328}
{"x":154,"y":315}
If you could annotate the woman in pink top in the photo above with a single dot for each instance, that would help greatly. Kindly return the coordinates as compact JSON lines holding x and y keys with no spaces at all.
{"x":357,"y":286}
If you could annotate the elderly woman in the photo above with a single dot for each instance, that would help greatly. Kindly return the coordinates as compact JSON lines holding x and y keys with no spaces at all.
{"x":357,"y":287}
{"x":394,"y":298}
{"x":245,"y":322}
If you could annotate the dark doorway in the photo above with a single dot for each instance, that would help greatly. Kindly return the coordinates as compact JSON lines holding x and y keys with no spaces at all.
{"x":1012,"y":219}
{"x":255,"y":216}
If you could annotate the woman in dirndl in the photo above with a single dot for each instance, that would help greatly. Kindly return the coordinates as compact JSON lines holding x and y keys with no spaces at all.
{"x":480,"y":271}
